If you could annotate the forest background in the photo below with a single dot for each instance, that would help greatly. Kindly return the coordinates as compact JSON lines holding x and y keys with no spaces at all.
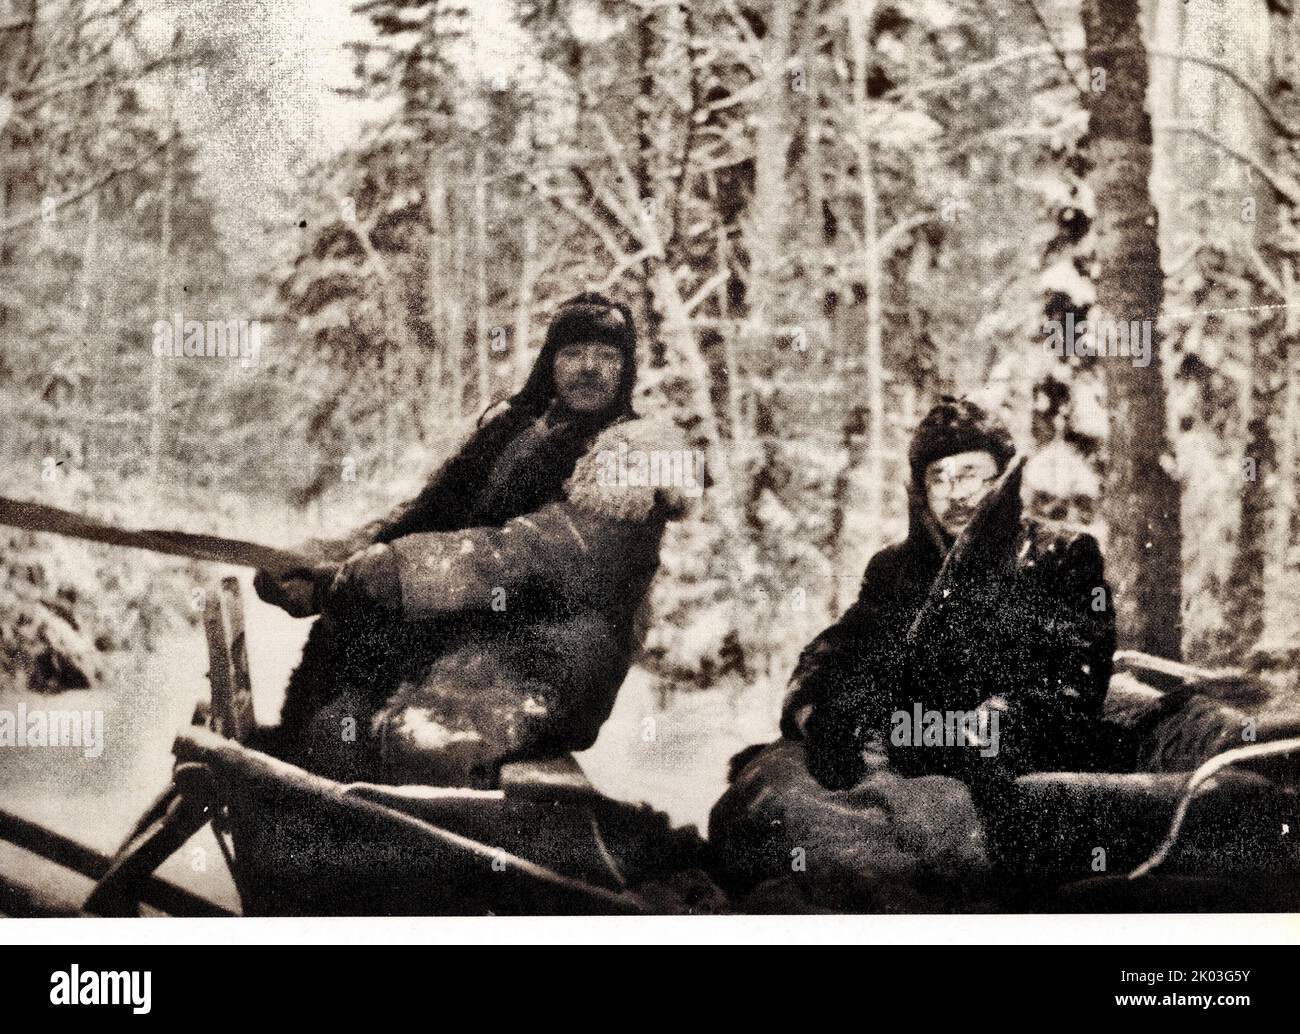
{"x":825,"y":216}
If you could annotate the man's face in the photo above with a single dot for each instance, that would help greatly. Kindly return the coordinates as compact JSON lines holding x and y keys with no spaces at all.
{"x":955,"y":486}
{"x":587,"y":375}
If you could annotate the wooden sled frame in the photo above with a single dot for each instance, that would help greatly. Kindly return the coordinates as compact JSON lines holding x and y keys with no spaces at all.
{"x":214,"y":770}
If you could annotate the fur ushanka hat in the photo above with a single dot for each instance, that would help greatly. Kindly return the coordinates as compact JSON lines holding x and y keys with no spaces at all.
{"x":958,"y":425}
{"x":584,"y":317}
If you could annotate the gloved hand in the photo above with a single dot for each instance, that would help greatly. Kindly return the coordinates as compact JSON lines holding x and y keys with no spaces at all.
{"x":983,"y":736}
{"x":295,"y":592}
{"x":369,"y":576}
{"x":835,"y":746}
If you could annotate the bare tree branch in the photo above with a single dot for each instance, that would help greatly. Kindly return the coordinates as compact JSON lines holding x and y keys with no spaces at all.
{"x":623,"y":265}
{"x":76,"y":194}
{"x":705,"y":289}
{"x":1283,"y":184}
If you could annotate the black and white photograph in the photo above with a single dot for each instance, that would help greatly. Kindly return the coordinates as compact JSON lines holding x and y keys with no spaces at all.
{"x":649,"y":458}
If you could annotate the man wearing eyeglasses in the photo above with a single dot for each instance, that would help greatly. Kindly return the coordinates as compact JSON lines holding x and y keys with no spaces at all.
{"x":998,"y":625}
{"x":980,"y":648}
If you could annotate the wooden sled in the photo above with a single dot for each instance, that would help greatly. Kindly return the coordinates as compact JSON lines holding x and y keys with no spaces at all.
{"x":300,"y":844}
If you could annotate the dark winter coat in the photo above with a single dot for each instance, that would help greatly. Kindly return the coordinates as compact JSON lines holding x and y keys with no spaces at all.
{"x":1029,"y":618}
{"x":522,"y":568}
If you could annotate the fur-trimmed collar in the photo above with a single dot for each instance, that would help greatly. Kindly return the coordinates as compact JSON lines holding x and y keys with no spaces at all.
{"x":637,"y":469}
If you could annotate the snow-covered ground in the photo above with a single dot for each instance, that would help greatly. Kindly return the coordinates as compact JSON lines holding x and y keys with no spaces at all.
{"x":676,"y":758}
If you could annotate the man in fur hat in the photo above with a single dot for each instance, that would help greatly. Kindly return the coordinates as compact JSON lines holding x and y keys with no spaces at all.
{"x":493,"y":617}
{"x":979,"y":613}
{"x":1015,"y":626}
{"x":1006,"y":623}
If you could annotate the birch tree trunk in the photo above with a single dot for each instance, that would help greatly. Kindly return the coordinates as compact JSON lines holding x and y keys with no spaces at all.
{"x":680,"y":339}
{"x":642,"y":168}
{"x":812,"y":147}
{"x":168,"y":188}
{"x":1141,"y":499}
{"x":766,"y":230}
{"x":454,"y":285}
{"x":1265,"y":467}
{"x":480,"y":281}
{"x":1290,"y":418}
{"x":436,"y":287}
{"x":524,"y":298}
{"x":861,"y":16}
{"x":92,"y":317}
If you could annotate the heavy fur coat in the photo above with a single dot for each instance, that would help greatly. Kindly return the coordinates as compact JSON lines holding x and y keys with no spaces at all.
{"x":523,"y":568}
{"x":1028,"y":618}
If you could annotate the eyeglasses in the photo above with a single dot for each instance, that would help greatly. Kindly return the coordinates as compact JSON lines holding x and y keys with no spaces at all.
{"x":591,"y":351}
{"x":960,"y":485}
